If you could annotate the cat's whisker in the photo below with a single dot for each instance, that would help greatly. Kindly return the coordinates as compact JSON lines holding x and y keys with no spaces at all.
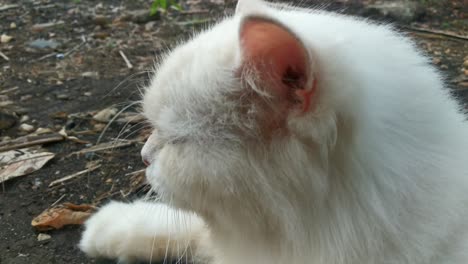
{"x":127,"y":79}
{"x":145,"y":126}
{"x":113,"y":119}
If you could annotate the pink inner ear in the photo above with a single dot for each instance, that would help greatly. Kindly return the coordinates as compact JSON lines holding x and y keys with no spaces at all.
{"x":278,"y":56}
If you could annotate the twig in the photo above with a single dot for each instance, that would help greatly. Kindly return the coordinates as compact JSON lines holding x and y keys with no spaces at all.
{"x":6,"y":7}
{"x":58,"y":200}
{"x":74,"y":175}
{"x":29,"y":141}
{"x":47,"y":56}
{"x":9,"y":90}
{"x":104,"y":146}
{"x":194,"y":12}
{"x":75,"y":48}
{"x":437,"y":33}
{"x":135,"y":172}
{"x":4,"y":56}
{"x":129,"y":65}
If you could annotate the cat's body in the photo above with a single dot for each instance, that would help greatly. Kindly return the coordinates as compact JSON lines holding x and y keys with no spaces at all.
{"x":297,"y":137}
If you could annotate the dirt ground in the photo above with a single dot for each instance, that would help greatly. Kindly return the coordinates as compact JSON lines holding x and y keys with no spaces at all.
{"x":64,"y":61}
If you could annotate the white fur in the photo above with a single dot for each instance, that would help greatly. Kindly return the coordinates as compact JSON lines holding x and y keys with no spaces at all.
{"x":376,"y":173}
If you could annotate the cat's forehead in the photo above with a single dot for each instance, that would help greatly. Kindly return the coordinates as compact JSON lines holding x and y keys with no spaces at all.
{"x":195,"y":69}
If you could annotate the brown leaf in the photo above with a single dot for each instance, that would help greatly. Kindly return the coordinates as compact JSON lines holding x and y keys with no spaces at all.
{"x":15,"y":163}
{"x":62,"y":215}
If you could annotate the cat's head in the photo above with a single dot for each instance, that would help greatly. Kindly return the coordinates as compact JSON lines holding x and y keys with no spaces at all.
{"x":239,"y":119}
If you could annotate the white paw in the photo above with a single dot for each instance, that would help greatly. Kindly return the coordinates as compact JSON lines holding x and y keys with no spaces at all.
{"x":140,"y":231}
{"x":107,"y":232}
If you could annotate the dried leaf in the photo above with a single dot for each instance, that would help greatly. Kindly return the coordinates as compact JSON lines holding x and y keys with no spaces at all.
{"x":62,"y":215}
{"x":15,"y":163}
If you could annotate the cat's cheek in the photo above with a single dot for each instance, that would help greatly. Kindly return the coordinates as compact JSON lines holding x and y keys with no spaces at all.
{"x":153,"y":174}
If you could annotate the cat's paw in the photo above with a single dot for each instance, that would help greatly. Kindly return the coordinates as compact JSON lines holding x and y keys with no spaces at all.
{"x":140,"y":231}
{"x":107,"y":233}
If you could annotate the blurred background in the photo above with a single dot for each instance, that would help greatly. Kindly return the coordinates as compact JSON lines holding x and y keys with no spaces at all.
{"x":70,"y":79}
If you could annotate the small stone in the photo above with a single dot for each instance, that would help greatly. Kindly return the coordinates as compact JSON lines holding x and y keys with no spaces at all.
{"x":88,"y":94}
{"x":25,"y":97}
{"x":6,"y":103}
{"x":465,"y":72}
{"x":109,"y":180}
{"x":43,"y":237}
{"x":24,"y":119}
{"x":4,"y":38}
{"x":150,"y":25}
{"x":105,"y":115}
{"x":63,"y":96}
{"x":465,"y":64}
{"x":99,"y":127}
{"x":12,"y":25}
{"x":436,"y":61}
{"x":7,"y":120}
{"x":26,"y":128}
{"x":90,"y":74}
{"x":43,"y":130}
{"x":44,"y":44}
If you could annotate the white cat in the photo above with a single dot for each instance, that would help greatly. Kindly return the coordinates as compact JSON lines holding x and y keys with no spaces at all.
{"x":287,"y":135}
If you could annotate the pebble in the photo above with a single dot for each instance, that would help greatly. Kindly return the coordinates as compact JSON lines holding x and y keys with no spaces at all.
{"x":88,"y":94}
{"x":44,"y":44}
{"x":4,"y":38}
{"x":90,"y":74}
{"x":150,"y":25}
{"x":24,"y":118}
{"x":12,"y":25}
{"x":63,"y":96}
{"x":26,"y":128}
{"x":105,"y":115}
{"x":436,"y":61}
{"x":43,"y":130}
{"x":465,"y":64}
{"x":25,"y":97}
{"x":43,"y":237}
{"x":99,"y":127}
{"x":6,"y":103}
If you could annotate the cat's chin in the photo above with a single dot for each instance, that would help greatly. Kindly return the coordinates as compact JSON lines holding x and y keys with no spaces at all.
{"x":165,"y":194}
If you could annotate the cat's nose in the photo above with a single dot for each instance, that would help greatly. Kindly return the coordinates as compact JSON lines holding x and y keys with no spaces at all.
{"x":147,"y":152}
{"x":145,"y":156}
{"x":145,"y":161}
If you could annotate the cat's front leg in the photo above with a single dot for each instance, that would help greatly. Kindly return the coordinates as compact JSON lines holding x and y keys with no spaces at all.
{"x":144,"y":231}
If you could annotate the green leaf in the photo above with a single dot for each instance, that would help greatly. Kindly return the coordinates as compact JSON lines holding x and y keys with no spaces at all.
{"x":154,"y":8}
{"x":163,"y":4}
{"x":177,"y":6}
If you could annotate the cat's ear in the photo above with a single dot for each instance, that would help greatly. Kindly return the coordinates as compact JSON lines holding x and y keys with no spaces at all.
{"x":249,"y":6}
{"x":278,"y":59}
